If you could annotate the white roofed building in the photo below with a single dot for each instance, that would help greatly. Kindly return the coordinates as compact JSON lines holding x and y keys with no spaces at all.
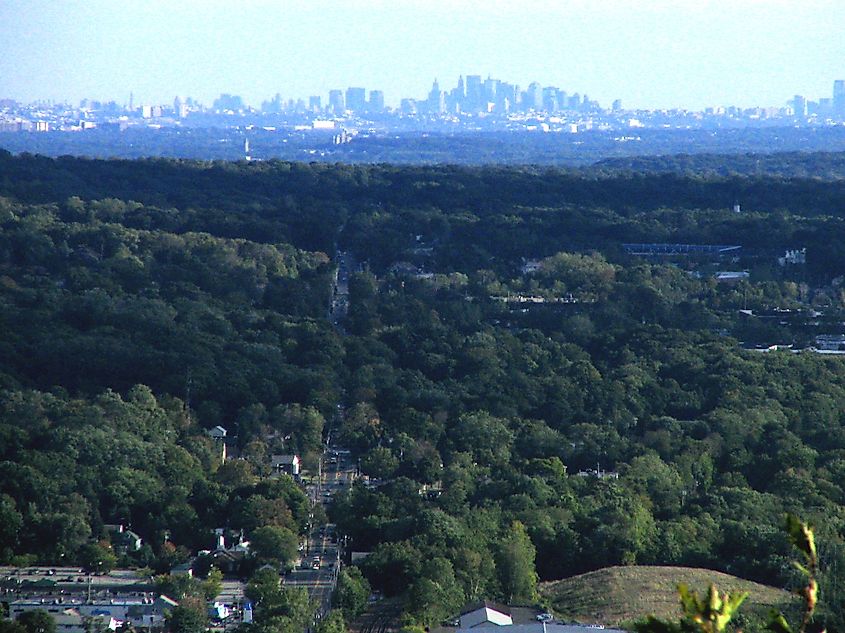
{"x":484,"y":613}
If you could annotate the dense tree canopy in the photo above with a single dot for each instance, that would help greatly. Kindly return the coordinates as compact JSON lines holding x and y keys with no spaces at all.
{"x":526,"y":400}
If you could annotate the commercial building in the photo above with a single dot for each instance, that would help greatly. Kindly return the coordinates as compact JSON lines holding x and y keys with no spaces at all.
{"x":73,"y":616}
{"x":356,"y":99}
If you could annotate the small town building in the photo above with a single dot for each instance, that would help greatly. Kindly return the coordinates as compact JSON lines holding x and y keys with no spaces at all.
{"x":289,"y":464}
{"x":218,"y":434}
{"x":73,"y":615}
{"x":484,"y":613}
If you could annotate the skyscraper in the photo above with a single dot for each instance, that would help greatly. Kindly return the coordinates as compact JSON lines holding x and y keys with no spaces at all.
{"x":376,"y":101}
{"x":489,"y":94}
{"x":550,"y":99}
{"x":799,"y":105}
{"x":534,"y":97}
{"x":336,"y":101}
{"x":473,"y":93}
{"x":436,"y":99}
{"x":356,"y":99}
{"x":839,"y":97}
{"x":507,"y":97}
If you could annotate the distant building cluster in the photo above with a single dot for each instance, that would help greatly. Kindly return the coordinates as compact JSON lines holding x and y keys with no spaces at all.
{"x":473,"y":103}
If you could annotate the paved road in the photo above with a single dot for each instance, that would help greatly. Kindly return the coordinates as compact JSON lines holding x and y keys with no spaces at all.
{"x":318,"y":569}
{"x":340,"y":291}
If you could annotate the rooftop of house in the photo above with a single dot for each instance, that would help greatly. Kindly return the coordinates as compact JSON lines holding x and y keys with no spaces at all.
{"x":284,"y":459}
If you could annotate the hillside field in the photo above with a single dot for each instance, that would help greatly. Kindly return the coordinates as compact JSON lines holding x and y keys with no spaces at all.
{"x":616,"y":595}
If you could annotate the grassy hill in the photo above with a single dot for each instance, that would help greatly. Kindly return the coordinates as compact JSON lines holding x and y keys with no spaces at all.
{"x":620,"y":594}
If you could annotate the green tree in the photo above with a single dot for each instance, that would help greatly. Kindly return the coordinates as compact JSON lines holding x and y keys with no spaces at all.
{"x":515,"y":564}
{"x":436,"y":594}
{"x":351,"y":592}
{"x":11,"y":626}
{"x":264,"y":590}
{"x":379,"y":462}
{"x":213,"y":584}
{"x":332,"y":623}
{"x":274,"y":542}
{"x":189,"y":616}
{"x":11,"y":522}
{"x":97,"y":558}
{"x":37,"y":621}
{"x":177,"y":586}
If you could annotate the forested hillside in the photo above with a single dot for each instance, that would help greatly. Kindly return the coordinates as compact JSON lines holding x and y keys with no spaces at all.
{"x":527,"y":399}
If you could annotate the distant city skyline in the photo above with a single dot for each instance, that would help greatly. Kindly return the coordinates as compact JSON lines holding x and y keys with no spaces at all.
{"x":470,"y":94}
{"x":652,"y":54}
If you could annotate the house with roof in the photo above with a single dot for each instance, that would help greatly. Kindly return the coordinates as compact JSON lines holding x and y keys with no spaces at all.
{"x":289,"y":464}
{"x":218,"y":434}
{"x":123,"y":539}
{"x":228,"y":561}
{"x":489,"y":617}
{"x":183,"y":569}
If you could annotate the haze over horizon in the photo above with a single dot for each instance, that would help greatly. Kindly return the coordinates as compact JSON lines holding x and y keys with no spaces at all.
{"x":653,"y":54}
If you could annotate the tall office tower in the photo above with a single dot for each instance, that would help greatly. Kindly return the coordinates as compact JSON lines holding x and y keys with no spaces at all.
{"x":436,"y":99}
{"x":562,"y":99}
{"x":839,"y":97}
{"x":336,"y":101}
{"x":454,"y":101}
{"x":507,"y":97}
{"x":315,"y":103}
{"x":489,"y":94}
{"x":456,"y":98}
{"x":473,"y":98}
{"x":534,"y":97}
{"x":799,"y":105}
{"x":617,"y":105}
{"x":131,"y":101}
{"x":180,"y":108}
{"x":376,"y":101}
{"x":550,"y":99}
{"x":356,"y":99}
{"x":825,"y":105}
{"x":574,"y":102}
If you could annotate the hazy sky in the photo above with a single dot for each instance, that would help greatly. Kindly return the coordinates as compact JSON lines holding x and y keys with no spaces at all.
{"x":649,"y":53}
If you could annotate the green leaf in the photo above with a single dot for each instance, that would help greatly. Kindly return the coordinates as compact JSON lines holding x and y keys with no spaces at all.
{"x":689,"y":600}
{"x":777,"y":623}
{"x":714,"y":602}
{"x":734,"y":601}
{"x":801,"y":536}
